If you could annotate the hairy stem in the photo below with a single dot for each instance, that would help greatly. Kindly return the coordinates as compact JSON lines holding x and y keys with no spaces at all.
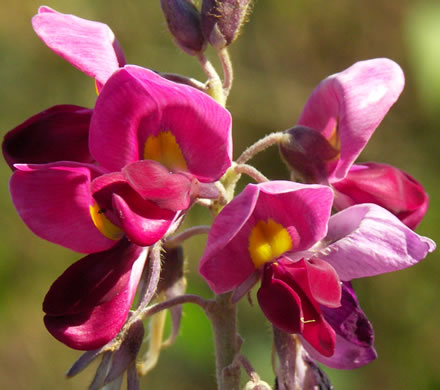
{"x":259,"y":146}
{"x":223,"y":316}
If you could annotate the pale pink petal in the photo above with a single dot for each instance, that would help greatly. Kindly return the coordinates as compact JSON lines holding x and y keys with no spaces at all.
{"x":353,"y":103}
{"x":366,"y":240}
{"x":54,"y":199}
{"x":89,"y":46}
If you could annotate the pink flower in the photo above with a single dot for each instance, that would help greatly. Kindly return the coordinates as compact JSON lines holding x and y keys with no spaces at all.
{"x":89,"y":46}
{"x":284,"y":232}
{"x":157,"y":146}
{"x":337,"y":121}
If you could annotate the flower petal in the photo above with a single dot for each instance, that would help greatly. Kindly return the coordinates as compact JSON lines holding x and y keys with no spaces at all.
{"x":280,"y":303}
{"x":366,"y":240}
{"x":92,"y":281}
{"x":323,"y":282}
{"x":137,"y":103}
{"x":386,"y":186}
{"x":352,"y":104}
{"x":54,"y":199}
{"x":56,"y":134}
{"x":95,"y":327}
{"x":89,"y":46}
{"x":354,"y":334}
{"x":143,"y":222}
{"x":153,"y":181}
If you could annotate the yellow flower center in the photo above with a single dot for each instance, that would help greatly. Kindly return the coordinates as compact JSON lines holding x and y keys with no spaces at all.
{"x":267,"y":241}
{"x":163,"y":148}
{"x":103,"y":224}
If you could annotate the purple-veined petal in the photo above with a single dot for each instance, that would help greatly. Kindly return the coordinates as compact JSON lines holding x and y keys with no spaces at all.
{"x":386,"y":186}
{"x":94,"y":327}
{"x":56,"y":134}
{"x":302,"y":210}
{"x":153,"y":181}
{"x":354,"y":334}
{"x":137,"y":103}
{"x":144,"y":223}
{"x":352,"y":104}
{"x":366,"y":240}
{"x":54,"y":201}
{"x":89,"y":46}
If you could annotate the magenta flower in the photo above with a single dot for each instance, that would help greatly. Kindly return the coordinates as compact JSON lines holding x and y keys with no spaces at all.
{"x":158,"y":145}
{"x":283,"y":231}
{"x":337,"y":121}
{"x":89,"y":46}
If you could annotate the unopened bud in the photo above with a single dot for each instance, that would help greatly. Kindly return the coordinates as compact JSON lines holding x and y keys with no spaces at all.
{"x":259,"y":385}
{"x":308,"y":154}
{"x":222,"y":19}
{"x":183,"y":20}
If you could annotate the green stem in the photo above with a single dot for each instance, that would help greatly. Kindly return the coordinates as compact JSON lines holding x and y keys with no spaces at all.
{"x":223,"y":316}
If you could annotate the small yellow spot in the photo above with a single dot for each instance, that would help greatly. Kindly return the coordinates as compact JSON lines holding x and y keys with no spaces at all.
{"x":334,"y":139}
{"x":267,"y":241}
{"x":103,"y":224}
{"x":163,"y":148}
{"x":306,"y":321}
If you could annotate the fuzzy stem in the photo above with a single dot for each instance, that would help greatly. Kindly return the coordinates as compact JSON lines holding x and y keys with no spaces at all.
{"x":228,"y":72}
{"x":172,"y":242}
{"x":251,"y":172}
{"x":215,"y":87}
{"x":223,"y":316}
{"x":259,"y":146}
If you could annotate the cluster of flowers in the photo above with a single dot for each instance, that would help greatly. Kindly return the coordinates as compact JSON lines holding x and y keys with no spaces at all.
{"x":114,"y":180}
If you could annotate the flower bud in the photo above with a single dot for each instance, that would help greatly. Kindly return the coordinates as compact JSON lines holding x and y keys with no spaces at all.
{"x":183,"y":20}
{"x":222,"y":19}
{"x":308,"y":154}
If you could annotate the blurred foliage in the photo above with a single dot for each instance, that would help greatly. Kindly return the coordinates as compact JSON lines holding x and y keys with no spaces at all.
{"x":284,"y":51}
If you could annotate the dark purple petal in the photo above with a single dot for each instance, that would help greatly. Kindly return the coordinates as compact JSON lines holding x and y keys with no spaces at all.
{"x":280,"y":303}
{"x":59,"y":133}
{"x":54,"y":201}
{"x":93,"y":328}
{"x":354,"y":334}
{"x":91,"y":281}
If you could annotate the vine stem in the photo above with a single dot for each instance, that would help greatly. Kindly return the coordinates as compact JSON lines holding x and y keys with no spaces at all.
{"x":259,"y":146}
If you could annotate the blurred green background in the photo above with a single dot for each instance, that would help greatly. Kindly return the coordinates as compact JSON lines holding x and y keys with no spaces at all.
{"x":284,"y":51}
